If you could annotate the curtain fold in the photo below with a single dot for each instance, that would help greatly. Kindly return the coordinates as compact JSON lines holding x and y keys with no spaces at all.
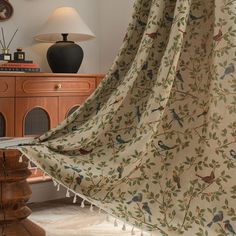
{"x":154,"y":145}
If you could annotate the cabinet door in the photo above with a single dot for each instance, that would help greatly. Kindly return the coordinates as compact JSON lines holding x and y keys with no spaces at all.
{"x":69,"y":104}
{"x":6,"y":117}
{"x":34,"y":116}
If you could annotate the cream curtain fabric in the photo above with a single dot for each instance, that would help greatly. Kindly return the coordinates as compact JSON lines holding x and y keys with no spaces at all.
{"x":154,"y":145}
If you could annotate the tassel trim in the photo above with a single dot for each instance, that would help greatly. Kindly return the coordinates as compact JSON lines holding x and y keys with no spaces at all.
{"x":58,"y":184}
{"x":58,"y":187}
{"x":82,"y":204}
{"x":124,"y":227}
{"x":29,"y":165}
{"x":115,"y":223}
{"x":67,"y":193}
{"x":35,"y":171}
{"x":21,"y":158}
{"x":54,"y":183}
{"x":132,"y":231}
{"x":75,"y":199}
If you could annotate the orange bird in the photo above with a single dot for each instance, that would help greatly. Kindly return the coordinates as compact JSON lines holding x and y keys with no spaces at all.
{"x":152,"y":35}
{"x":207,"y":179}
{"x":117,"y":100}
{"x":218,"y":36}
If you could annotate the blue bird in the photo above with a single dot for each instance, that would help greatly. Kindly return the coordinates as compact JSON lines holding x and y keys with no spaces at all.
{"x":168,"y":18}
{"x":229,"y":227}
{"x":136,"y":198}
{"x":180,"y":78}
{"x":138,"y":113}
{"x":79,"y":179}
{"x":140,"y":23}
{"x":228,"y":70}
{"x":216,"y":218}
{"x":176,"y":117}
{"x":150,"y":74}
{"x":192,"y":17}
{"x":116,"y":74}
{"x":232,"y":153}
{"x":165,"y":147}
{"x":145,"y":66}
{"x":146,"y":208}
{"x":120,"y":170}
{"x":76,"y":169}
{"x":98,"y":108}
{"x":120,"y":140}
{"x":74,"y":128}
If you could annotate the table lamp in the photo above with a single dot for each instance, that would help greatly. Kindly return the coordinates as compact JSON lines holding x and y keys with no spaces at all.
{"x":64,"y":27}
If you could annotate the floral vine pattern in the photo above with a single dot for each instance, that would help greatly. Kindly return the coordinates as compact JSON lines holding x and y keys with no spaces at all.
{"x":155,"y":145}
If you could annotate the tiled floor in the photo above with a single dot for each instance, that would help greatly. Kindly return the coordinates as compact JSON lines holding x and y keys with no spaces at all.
{"x":60,"y":218}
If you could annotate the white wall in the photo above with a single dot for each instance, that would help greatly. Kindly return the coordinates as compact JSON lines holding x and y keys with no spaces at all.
{"x":29,"y":15}
{"x":114,"y":19}
{"x":108,"y":19}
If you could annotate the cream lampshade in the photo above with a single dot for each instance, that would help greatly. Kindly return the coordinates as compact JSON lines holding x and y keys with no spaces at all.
{"x":64,"y":27}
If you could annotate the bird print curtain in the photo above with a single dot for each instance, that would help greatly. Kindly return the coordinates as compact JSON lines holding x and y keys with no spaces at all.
{"x":155,"y":145}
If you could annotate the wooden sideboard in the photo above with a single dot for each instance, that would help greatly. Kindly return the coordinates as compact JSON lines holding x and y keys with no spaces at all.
{"x":33,"y":99}
{"x":32,"y":103}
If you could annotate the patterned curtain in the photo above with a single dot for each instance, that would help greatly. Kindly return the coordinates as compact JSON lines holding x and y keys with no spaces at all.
{"x":155,"y":145}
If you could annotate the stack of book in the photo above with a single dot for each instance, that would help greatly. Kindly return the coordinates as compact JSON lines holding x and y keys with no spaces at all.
{"x":16,"y":66}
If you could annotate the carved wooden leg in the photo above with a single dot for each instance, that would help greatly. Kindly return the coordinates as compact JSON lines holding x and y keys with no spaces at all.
{"x":14,"y":193}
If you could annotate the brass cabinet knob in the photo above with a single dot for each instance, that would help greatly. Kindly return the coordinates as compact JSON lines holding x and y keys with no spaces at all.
{"x":58,"y":86}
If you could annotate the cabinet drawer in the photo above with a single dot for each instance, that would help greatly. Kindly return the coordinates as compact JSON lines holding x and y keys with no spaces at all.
{"x":7,"y":87}
{"x":53,"y":86}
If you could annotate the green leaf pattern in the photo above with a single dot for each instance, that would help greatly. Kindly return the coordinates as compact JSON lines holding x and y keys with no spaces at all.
{"x":155,"y":145}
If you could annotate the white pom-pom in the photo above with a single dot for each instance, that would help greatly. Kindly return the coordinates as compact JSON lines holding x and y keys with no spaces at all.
{"x":58,"y":187}
{"x":29,"y":165}
{"x":67,"y":193}
{"x":124,"y":227}
{"x":132,"y":231}
{"x":82,"y":204}
{"x":91,"y":208}
{"x":21,"y":158}
{"x":75,"y":199}
{"x":44,"y":176}
{"x":35,"y":171}
{"x":115,"y":223}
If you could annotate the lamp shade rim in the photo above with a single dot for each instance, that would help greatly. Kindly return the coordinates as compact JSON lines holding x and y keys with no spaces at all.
{"x":54,"y":37}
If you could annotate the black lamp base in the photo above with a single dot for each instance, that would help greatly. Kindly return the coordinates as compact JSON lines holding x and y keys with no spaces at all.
{"x":65,"y":56}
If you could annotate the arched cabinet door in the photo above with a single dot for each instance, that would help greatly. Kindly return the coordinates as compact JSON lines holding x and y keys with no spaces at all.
{"x":37,"y":122}
{"x":69,"y":105}
{"x":34,"y":116}
{"x":7,"y":117}
{"x":2,"y":126}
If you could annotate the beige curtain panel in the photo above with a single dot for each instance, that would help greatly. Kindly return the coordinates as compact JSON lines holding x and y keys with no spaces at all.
{"x":155,"y":145}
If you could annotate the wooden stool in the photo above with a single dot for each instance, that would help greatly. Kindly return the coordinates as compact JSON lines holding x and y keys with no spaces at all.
{"x":14,"y":193}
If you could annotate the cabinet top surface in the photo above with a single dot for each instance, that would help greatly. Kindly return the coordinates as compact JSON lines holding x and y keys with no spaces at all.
{"x":41,"y":74}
